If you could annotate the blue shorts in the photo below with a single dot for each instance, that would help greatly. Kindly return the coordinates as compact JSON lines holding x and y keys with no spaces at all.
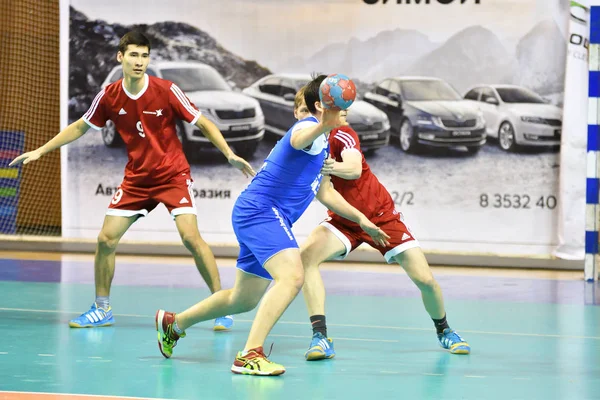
{"x":262,"y":231}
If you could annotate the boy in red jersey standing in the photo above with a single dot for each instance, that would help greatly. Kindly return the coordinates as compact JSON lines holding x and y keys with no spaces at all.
{"x":144,"y":110}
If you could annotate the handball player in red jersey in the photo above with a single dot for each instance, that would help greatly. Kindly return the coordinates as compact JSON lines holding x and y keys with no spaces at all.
{"x":336,"y":237}
{"x":144,"y":110}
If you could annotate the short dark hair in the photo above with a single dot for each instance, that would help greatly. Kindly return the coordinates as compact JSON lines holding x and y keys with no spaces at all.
{"x":311,"y":92}
{"x":135,"y":38}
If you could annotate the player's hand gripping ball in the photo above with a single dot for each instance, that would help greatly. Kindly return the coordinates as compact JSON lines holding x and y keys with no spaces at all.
{"x":337,"y":92}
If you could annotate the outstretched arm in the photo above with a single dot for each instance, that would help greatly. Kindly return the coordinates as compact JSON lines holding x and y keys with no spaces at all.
{"x":334,"y":201}
{"x":212,"y":133}
{"x":67,"y":135}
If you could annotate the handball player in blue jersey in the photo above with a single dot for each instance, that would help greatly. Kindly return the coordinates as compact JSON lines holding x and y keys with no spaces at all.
{"x":262,"y":220}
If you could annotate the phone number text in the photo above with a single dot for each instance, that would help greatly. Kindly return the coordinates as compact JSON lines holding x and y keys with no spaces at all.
{"x":517,"y":201}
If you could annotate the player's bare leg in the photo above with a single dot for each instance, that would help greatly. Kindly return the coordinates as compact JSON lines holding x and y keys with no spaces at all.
{"x":111,"y":233}
{"x":286,"y":269}
{"x":415,"y":264}
{"x":187,"y":225}
{"x":320,"y":246}
{"x":243,"y":297}
{"x":100,"y":314}
{"x":288,"y":276}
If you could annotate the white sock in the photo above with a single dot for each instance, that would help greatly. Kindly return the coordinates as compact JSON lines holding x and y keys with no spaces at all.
{"x":246,"y":351}
{"x":176,"y":328}
{"x":103,"y":302}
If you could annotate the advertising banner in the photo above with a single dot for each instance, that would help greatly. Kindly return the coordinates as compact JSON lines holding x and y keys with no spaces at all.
{"x":571,"y":226}
{"x":459,"y":110}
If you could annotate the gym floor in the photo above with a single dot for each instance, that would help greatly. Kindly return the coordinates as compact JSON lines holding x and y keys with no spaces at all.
{"x":534,"y":335}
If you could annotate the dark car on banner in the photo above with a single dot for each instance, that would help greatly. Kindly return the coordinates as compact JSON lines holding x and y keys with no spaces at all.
{"x":238,"y":117}
{"x":428,"y":112}
{"x":276,"y":96}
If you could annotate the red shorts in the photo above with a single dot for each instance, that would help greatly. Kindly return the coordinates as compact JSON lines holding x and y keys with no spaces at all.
{"x":401,"y":238}
{"x":177,"y":195}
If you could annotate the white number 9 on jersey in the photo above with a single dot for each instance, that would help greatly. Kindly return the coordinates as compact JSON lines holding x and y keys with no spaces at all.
{"x":140,"y":129}
{"x":117,"y":197}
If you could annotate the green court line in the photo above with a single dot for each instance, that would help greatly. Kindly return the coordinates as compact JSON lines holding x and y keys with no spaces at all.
{"x":8,"y":192}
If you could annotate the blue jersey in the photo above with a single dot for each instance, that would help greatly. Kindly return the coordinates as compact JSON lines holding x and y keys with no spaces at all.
{"x":290,"y":179}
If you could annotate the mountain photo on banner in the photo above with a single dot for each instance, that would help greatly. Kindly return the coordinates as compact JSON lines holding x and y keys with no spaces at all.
{"x":475,"y":55}
{"x":93,"y":45}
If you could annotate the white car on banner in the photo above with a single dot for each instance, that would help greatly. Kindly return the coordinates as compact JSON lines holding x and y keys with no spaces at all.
{"x":516,"y":116}
{"x":238,"y":117}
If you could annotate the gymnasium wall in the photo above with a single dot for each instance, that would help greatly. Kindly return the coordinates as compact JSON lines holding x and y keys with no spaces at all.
{"x":29,"y":115}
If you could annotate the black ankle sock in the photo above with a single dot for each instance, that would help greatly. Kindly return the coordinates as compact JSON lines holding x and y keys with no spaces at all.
{"x":441,"y":324}
{"x":318,"y":324}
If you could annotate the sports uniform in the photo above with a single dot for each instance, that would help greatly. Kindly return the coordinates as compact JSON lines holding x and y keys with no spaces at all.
{"x":278,"y":195}
{"x":371,"y":198}
{"x":157,"y":170}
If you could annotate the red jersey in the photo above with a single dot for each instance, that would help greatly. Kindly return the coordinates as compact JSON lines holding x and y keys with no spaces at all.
{"x":366,"y":193}
{"x":146,"y":122}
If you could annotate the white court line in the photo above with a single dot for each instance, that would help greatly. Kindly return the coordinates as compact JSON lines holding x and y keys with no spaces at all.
{"x":340,"y":338}
{"x":46,"y":355}
{"x":475,"y":376}
{"x":399,"y":328}
{"x":83,"y":395}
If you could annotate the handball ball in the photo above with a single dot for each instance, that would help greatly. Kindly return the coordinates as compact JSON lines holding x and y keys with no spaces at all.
{"x":337,"y":92}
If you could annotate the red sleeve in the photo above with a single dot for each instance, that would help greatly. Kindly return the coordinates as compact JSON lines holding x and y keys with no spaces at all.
{"x":344,"y":138}
{"x":96,"y":116}
{"x":183,"y":107}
